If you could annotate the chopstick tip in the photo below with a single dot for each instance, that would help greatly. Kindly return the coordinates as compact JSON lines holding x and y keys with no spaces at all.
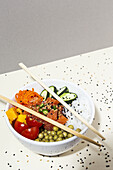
{"x":20,"y":64}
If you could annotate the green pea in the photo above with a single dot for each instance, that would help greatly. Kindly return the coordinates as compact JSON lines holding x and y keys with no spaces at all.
{"x":65,"y":134}
{"x":59,"y":139}
{"x":78,"y":130}
{"x":45,"y":130}
{"x":45,"y":134}
{"x":53,"y":133}
{"x":38,"y":140}
{"x":69,"y":135}
{"x":46,"y":140}
{"x":60,"y":135}
{"x":55,"y":137}
{"x":51,"y":140}
{"x":49,"y":132}
{"x":50,"y":137}
{"x":71,"y":126}
{"x":59,"y":132}
{"x":46,"y":137}
{"x":54,"y":107}
{"x":55,"y":128}
{"x":43,"y":140}
{"x":40,"y":135}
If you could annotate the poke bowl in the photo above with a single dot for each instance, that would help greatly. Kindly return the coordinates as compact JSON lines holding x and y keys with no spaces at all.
{"x":51,"y":146}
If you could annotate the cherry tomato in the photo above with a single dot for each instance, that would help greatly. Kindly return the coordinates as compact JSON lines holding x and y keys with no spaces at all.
{"x":19,"y":126}
{"x":32,"y":122}
{"x":31,"y":133}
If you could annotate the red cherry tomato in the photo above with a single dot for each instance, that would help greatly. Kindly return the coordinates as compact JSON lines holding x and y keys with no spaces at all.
{"x":31,"y":133}
{"x":32,"y":122}
{"x":19,"y":126}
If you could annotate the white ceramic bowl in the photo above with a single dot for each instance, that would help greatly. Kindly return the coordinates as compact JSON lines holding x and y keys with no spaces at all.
{"x":55,"y":148}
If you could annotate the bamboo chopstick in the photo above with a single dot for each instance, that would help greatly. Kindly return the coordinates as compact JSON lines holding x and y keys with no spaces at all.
{"x":48,"y":120}
{"x":60,"y":100}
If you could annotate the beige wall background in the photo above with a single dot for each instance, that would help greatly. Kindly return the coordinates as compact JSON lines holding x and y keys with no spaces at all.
{"x":40,"y":31}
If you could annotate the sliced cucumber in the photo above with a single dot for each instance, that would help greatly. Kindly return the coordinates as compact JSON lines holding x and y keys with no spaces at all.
{"x":62,"y":90}
{"x":44,"y":94}
{"x":54,"y":89}
{"x":68,"y":96}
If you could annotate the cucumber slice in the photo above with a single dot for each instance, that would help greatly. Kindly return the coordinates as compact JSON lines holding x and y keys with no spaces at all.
{"x":62,"y":90}
{"x":44,"y":94}
{"x":68,"y":97}
{"x":54,"y":89}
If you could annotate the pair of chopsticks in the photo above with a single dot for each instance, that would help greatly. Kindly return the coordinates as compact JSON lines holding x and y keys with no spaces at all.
{"x":50,"y":120}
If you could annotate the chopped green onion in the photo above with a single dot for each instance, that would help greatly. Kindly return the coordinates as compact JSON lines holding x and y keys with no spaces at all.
{"x":54,"y":107}
{"x":40,"y":110}
{"x":45,"y":112}
{"x":42,"y":105}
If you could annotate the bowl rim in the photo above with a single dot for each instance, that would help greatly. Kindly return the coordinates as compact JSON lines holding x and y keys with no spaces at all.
{"x":49,"y":143}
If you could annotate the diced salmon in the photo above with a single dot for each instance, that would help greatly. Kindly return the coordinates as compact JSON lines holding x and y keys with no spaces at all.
{"x":53,"y":114}
{"x":62,"y":119}
{"x":52,"y":101}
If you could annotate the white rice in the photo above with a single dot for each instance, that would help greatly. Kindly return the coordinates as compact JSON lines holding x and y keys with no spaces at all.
{"x":81,"y":106}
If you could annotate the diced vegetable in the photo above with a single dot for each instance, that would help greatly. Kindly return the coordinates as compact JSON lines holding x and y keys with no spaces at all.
{"x":19,"y":111}
{"x":42,"y":105}
{"x":12,"y":114}
{"x":45,"y":112}
{"x":54,"y":107}
{"x":40,"y":110}
{"x":22,"y":118}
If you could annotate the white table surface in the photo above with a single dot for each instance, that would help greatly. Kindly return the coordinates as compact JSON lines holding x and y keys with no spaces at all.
{"x":93,"y":72}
